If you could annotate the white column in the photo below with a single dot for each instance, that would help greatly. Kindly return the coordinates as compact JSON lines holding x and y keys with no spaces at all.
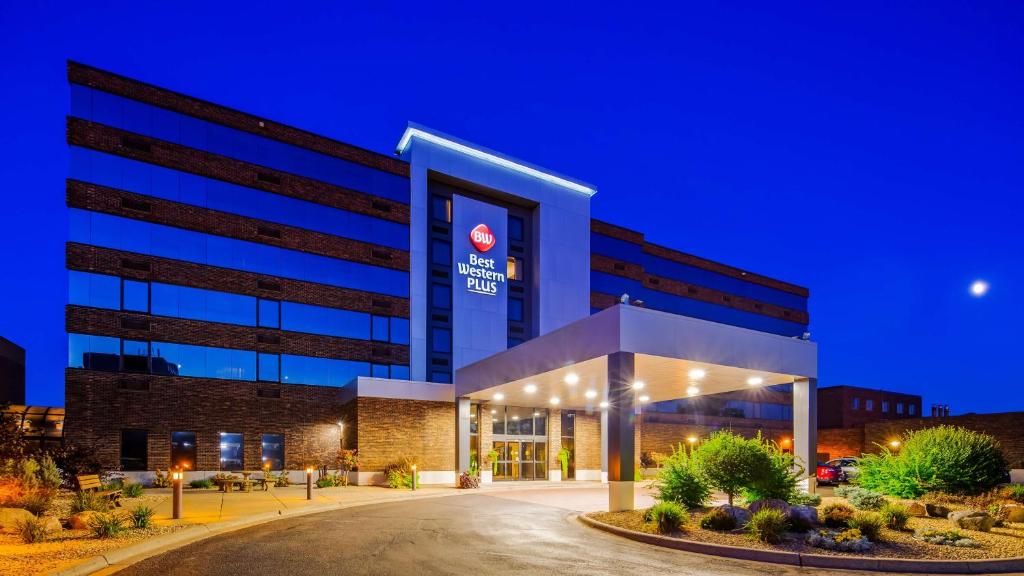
{"x":805,"y":428}
{"x":462,"y":423}
{"x":604,"y":445}
{"x":621,"y":431}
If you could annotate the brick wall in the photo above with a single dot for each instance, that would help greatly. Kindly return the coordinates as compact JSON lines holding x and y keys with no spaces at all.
{"x":838,"y":442}
{"x":588,"y":441}
{"x":391,"y":429}
{"x":1006,"y":427}
{"x":554,"y":439}
{"x":98,"y":408}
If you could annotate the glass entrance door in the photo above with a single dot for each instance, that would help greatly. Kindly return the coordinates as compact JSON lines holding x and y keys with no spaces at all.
{"x":520,"y":439}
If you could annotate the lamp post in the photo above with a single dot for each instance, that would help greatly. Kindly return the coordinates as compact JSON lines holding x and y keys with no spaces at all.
{"x":177,"y":483}
{"x":309,"y":482}
{"x":414,"y":477}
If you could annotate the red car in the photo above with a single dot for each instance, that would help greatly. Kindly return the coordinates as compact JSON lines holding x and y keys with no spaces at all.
{"x":829,"y":474}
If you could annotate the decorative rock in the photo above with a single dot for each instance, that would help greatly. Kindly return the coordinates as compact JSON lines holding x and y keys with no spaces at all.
{"x":10,"y":517}
{"x":82,"y":520}
{"x":806,"y":514}
{"x":937,"y":510}
{"x":775,"y":503}
{"x":1012,"y":513}
{"x":917,"y":509}
{"x":52,"y":524}
{"x":973,"y":520}
{"x":740,"y":515}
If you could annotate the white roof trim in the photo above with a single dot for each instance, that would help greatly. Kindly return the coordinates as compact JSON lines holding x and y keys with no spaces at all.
{"x":413,"y":132}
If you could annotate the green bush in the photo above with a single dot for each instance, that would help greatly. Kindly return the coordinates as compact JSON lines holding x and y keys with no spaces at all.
{"x":1015,"y":492}
{"x":28,"y":472}
{"x":142,"y":516}
{"x":107,"y":525}
{"x":88,"y":502}
{"x":202,"y":483}
{"x":731,"y":462}
{"x":36,"y":502}
{"x":718,"y":519}
{"x":779,"y":479}
{"x":32,"y":530}
{"x":325,"y":482}
{"x":805,"y":499}
{"x":836,"y":514}
{"x":895,"y":516}
{"x":862,"y":498}
{"x":668,"y":516}
{"x":944,"y":458}
{"x":767,"y":525}
{"x":133,"y":490}
{"x":869,"y":523}
{"x":681,"y":481}
{"x":49,"y":475}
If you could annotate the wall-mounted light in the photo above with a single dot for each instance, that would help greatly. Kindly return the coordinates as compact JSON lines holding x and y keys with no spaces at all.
{"x":691,"y":439}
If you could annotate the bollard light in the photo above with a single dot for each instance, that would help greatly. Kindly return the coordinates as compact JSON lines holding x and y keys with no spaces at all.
{"x":177,"y":491}
{"x":309,"y":482}
{"x":414,"y":477}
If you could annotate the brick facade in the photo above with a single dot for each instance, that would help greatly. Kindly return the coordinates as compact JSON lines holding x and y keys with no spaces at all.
{"x":390,"y":430}
{"x":836,"y":406}
{"x":588,"y":441}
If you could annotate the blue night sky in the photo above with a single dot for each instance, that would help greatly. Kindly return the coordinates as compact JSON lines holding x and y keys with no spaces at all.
{"x":872,"y":153}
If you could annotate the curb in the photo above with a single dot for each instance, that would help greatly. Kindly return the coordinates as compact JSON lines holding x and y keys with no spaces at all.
{"x":124,"y":557}
{"x":995,"y":566}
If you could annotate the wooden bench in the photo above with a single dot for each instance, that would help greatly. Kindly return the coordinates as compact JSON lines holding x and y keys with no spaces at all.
{"x":91,"y":483}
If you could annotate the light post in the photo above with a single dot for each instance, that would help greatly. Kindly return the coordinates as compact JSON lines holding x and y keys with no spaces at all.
{"x":341,"y":434}
{"x":177,"y":483}
{"x":309,"y":482}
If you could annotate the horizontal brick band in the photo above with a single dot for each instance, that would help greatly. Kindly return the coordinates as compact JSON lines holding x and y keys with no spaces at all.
{"x":151,"y":268}
{"x":182,"y":331}
{"x":101,"y":404}
{"x":159,"y":211}
{"x":619,"y":233}
{"x":115,"y":84}
{"x":602,"y":300}
{"x":144,"y":149}
{"x":675,"y":287}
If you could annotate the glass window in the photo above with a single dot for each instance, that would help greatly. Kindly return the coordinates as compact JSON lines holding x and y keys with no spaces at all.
{"x":515,"y":228}
{"x":270,"y":314}
{"x":441,"y":377}
{"x":134,"y":450}
{"x":515,"y":309}
{"x":183,"y":450}
{"x":320,"y":320}
{"x":321,"y":371}
{"x":856,"y":403}
{"x":400,"y":372}
{"x":379,"y":371}
{"x":442,"y":339}
{"x":441,"y":208}
{"x":96,"y":290}
{"x":205,"y":361}
{"x":269,"y":367}
{"x":498,"y":420}
{"x":514,"y":268}
{"x":272,"y":449}
{"x":441,"y":253}
{"x":869,"y":405}
{"x":885,"y":406}
{"x":513,"y":342}
{"x":136,"y":295}
{"x":231,"y":451}
{"x":442,"y":296}
{"x":399,"y":330}
{"x":135,"y":357}
{"x":94,"y":352}
{"x":911,"y":409}
{"x":899,"y":407}
{"x":380,"y":328}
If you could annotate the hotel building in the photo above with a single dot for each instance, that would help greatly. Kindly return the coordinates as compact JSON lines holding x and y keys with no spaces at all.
{"x":243,"y":293}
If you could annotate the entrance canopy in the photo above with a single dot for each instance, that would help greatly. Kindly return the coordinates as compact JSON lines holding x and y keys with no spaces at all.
{"x":674,"y":357}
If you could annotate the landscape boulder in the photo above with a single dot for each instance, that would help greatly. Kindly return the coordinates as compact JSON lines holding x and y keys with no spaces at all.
{"x":972,"y":520}
{"x":801,"y":514}
{"x":52,"y":524}
{"x":937,"y":510}
{"x":1012,"y":513}
{"x":917,"y":509}
{"x":774,"y":503}
{"x":82,"y":520}
{"x":10,"y":517}
{"x":740,"y":515}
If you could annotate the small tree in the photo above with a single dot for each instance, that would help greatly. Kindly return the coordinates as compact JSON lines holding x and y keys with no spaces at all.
{"x":731,"y":462}
{"x":680,"y":480}
{"x":779,"y":479}
{"x":12,"y":437}
{"x":563,"y":458}
{"x":348,"y":460}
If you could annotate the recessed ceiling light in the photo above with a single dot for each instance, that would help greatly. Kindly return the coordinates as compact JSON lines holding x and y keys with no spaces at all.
{"x":494,"y":411}
{"x":536,"y":413}
{"x":603,"y":404}
{"x":697,"y":374}
{"x":692,"y":391}
{"x":555,"y":400}
{"x":515,"y":417}
{"x":591,"y":394}
{"x":645,"y":398}
{"x":572,"y":378}
{"x":638,"y":385}
{"x":755,"y":380}
{"x":530,"y":388}
{"x":499,"y":396}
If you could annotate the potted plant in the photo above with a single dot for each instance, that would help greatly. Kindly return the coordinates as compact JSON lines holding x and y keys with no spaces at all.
{"x":563,"y":458}
{"x":492,"y":457}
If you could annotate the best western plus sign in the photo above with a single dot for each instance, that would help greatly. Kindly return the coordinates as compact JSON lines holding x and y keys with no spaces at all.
{"x":482,"y":238}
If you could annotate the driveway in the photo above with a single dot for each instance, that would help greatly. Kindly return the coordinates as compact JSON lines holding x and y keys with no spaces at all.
{"x":521,"y":531}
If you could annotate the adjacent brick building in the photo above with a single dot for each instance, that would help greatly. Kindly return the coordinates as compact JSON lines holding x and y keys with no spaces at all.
{"x":12,"y":373}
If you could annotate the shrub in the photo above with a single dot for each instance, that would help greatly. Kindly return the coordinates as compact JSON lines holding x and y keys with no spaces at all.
{"x":161,"y":479}
{"x":944,"y":458}
{"x":805,"y":499}
{"x":49,"y":475}
{"x":107,"y":525}
{"x":718,"y":519}
{"x":142,"y":516}
{"x":668,"y":516}
{"x":28,"y":472}
{"x":132,"y":490}
{"x":862,"y":498}
{"x":681,"y":481}
{"x":202,"y":483}
{"x":767,"y":525}
{"x":348,"y":460}
{"x":945,"y":538}
{"x":836,"y":514}
{"x":88,"y":502}
{"x":732,"y":463}
{"x":31,"y":530}
{"x":75,"y":459}
{"x":399,"y":474}
{"x":325,"y":482}
{"x":869,"y":523}
{"x":779,"y":479}
{"x":36,"y":502}
{"x":845,"y":540}
{"x":1014,"y":492}
{"x":895,"y":516}
{"x":467,"y":480}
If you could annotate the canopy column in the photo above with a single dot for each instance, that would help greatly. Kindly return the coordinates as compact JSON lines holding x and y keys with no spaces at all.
{"x":621,"y":430}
